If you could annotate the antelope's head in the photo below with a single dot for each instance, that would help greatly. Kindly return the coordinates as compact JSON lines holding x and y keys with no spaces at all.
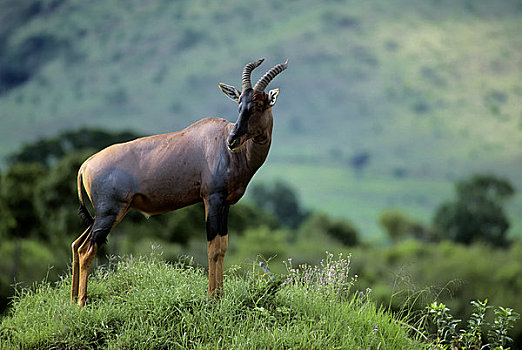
{"x":255,"y":106}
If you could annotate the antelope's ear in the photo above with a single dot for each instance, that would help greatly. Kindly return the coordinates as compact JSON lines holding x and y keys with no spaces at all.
{"x":230,"y":91}
{"x":272,"y":96}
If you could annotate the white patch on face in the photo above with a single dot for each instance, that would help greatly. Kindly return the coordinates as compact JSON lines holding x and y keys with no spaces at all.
{"x":272,"y":96}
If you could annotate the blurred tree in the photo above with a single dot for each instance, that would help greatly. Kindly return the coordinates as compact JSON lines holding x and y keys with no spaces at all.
{"x":488,"y":187}
{"x":17,"y":194}
{"x":477,"y":214}
{"x":50,"y":150}
{"x":18,"y":216}
{"x":35,"y":261}
{"x":56,"y":200}
{"x":185,"y":224}
{"x":6,"y":219}
{"x":398,"y":227}
{"x":245,"y":215}
{"x":281,"y":200}
{"x":262,"y":241}
{"x":339,"y":230}
{"x":394,"y":223}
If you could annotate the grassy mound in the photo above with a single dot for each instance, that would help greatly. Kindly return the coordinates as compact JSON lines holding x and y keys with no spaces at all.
{"x":144,"y":303}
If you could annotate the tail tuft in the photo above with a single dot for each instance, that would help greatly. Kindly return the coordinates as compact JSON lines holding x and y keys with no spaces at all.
{"x":82,"y":211}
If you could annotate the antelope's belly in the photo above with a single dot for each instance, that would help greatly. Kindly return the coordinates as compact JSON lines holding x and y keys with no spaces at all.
{"x":161,"y":197}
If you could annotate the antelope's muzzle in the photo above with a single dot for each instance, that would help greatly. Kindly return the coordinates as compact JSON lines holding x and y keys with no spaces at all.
{"x":234,"y":143}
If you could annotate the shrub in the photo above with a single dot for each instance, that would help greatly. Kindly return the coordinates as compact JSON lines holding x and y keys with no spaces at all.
{"x":261,"y":241}
{"x":399,"y":227}
{"x":411,"y":274}
{"x":447,"y":332}
{"x":477,"y":214}
{"x":332,"y":275}
{"x":281,"y":200}
{"x":340,"y":230}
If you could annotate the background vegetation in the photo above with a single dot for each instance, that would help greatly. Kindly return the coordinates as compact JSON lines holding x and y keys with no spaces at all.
{"x":397,"y":135}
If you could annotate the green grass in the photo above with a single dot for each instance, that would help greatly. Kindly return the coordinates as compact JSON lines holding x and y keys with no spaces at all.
{"x":145,"y":303}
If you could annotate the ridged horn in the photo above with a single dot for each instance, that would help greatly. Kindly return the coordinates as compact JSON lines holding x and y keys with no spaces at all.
{"x":265,"y":79}
{"x":245,"y":80}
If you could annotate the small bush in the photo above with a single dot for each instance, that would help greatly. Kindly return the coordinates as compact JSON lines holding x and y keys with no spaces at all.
{"x":447,"y":332}
{"x":332,"y":275}
{"x":340,"y":230}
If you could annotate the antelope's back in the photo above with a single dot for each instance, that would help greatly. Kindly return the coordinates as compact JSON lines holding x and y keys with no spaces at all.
{"x":157,"y":173}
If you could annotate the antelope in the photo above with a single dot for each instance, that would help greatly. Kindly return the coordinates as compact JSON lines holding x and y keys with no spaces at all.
{"x":212,"y":160}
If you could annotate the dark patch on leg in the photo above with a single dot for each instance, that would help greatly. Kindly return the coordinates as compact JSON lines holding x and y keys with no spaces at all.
{"x":217,"y":216}
{"x":113,"y":187}
{"x":103,"y":224}
{"x":217,"y":209}
{"x":99,"y":237}
{"x":112,"y":194}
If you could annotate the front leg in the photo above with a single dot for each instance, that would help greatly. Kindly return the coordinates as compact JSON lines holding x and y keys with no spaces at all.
{"x":216,"y":255}
{"x":216,"y":222}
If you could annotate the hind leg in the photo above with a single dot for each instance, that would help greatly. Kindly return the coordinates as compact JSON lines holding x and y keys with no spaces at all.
{"x":103,"y":224}
{"x":76,"y":263}
{"x":86,"y":255}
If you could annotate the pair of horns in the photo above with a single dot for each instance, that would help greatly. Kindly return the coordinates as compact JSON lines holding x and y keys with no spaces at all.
{"x":265,"y":79}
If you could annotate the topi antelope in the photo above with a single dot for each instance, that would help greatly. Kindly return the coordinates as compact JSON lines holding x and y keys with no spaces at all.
{"x":212,"y":161}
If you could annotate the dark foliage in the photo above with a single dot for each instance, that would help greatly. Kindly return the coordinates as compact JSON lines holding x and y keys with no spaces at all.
{"x":20,"y":63}
{"x":341,"y":230}
{"x":399,"y":226}
{"x":477,"y":214}
{"x":280,"y":200}
{"x":49,"y":150}
{"x":17,"y":196}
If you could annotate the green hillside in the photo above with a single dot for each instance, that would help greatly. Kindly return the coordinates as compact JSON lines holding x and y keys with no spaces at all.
{"x":424,"y":92}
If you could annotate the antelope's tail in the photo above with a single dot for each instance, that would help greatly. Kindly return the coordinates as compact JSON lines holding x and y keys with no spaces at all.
{"x":83,"y":212}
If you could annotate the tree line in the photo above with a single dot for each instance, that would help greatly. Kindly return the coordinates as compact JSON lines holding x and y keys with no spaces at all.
{"x":475,"y":215}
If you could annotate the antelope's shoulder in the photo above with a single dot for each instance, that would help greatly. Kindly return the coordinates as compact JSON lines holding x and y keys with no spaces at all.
{"x":210,"y":123}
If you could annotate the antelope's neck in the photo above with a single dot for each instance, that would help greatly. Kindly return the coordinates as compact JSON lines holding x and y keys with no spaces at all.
{"x":257,"y":150}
